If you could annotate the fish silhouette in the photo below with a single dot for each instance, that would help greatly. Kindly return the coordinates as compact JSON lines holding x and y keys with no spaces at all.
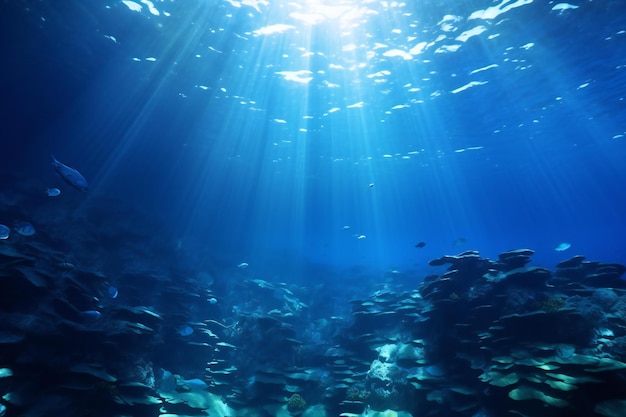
{"x":70,"y":175}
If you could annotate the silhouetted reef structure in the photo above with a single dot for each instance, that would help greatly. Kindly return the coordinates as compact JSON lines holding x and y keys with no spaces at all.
{"x":484,"y":338}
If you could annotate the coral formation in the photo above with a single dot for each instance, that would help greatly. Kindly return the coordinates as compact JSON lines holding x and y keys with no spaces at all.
{"x":552,"y":304}
{"x":357,"y":392}
{"x":296,"y":404}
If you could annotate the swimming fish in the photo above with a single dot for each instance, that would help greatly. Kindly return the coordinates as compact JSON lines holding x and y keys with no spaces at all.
{"x":560,"y":247}
{"x":70,"y":175}
{"x":4,"y":232}
{"x":112,"y":292}
{"x":185,"y":331}
{"x":91,"y":314}
{"x":24,"y":228}
{"x":53,"y":192}
{"x":420,"y":245}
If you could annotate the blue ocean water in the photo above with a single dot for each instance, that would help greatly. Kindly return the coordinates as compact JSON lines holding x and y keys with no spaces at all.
{"x":500,"y":123}
{"x":316,"y":142}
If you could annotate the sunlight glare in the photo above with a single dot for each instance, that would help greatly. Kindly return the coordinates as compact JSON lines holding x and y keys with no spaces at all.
{"x":319,"y":11}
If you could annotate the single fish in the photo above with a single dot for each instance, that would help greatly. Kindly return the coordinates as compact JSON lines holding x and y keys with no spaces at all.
{"x":4,"y":232}
{"x":560,"y":247}
{"x":53,"y":192}
{"x":70,"y":175}
{"x":112,"y":292}
{"x":242,"y":265}
{"x":91,"y":314}
{"x":212,"y":300}
{"x":24,"y":228}
{"x":185,"y":331}
{"x":420,"y":245}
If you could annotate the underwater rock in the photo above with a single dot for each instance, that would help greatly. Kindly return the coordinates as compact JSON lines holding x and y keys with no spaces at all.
{"x":611,"y":408}
{"x":500,"y":379}
{"x":388,"y":413}
{"x":485,"y":337}
{"x":95,"y":370}
{"x":528,"y":393}
{"x":35,"y":277}
{"x":515,"y":258}
{"x":409,"y":355}
{"x":458,"y":261}
{"x":565,"y":351}
{"x":191,"y":400}
{"x":573,"y":262}
{"x":524,"y":277}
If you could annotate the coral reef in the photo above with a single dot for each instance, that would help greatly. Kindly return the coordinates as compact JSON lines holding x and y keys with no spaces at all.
{"x":357,"y":392}
{"x":552,"y":304}
{"x":296,"y":404}
{"x":484,"y":338}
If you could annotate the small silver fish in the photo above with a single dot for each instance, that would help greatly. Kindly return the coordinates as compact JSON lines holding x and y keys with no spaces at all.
{"x":562,"y":246}
{"x":4,"y":232}
{"x":53,"y":192}
{"x":70,"y":175}
{"x":91,"y":314}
